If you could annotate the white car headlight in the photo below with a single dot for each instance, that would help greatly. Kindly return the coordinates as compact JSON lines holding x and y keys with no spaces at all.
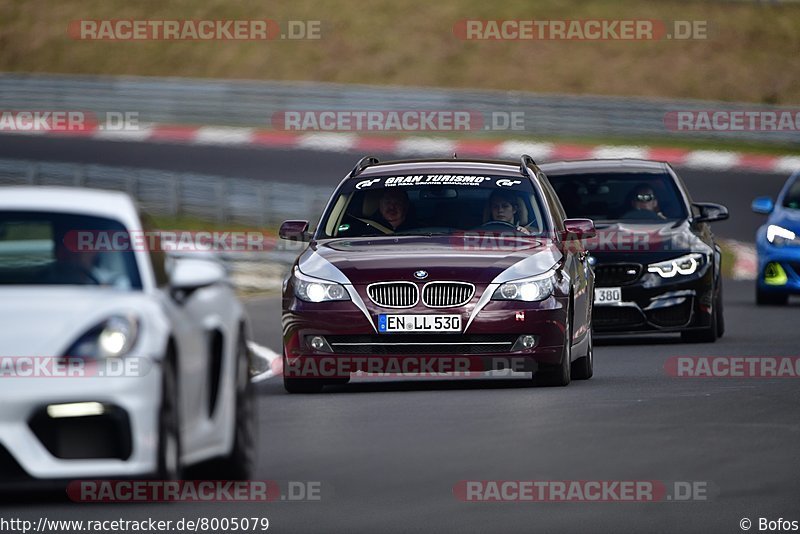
{"x":684,"y":265}
{"x":113,"y":338}
{"x":531,"y":289}
{"x":779,"y":236}
{"x":317,"y":290}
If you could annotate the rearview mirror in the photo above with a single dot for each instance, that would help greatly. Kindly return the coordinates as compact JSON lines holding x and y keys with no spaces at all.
{"x":579,"y":229}
{"x":763,"y":205}
{"x":439,"y":192}
{"x":710,"y":212}
{"x":294,"y":231}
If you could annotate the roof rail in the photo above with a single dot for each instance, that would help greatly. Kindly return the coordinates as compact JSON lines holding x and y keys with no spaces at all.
{"x":524,"y":162}
{"x":362,"y":164}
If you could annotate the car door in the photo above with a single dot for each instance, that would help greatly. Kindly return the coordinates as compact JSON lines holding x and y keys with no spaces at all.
{"x":576,"y":264}
{"x":189,"y":338}
{"x":208,"y":333}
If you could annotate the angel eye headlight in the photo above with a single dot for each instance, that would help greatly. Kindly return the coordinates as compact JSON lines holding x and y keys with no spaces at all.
{"x":531,"y":289}
{"x":684,"y":265}
{"x":316,"y":290}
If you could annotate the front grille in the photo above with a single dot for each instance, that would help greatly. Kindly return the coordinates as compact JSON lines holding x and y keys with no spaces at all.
{"x":83,"y":438}
{"x":447,"y":294}
{"x":616,"y":317}
{"x":394,"y":294}
{"x":379,"y":345}
{"x":671,"y":315}
{"x":616,"y":274}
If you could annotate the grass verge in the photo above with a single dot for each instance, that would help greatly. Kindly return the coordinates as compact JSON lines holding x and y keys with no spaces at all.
{"x":749,"y":53}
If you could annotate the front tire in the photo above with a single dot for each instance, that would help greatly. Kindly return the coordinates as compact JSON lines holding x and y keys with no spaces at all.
{"x":706,"y":335}
{"x":583,"y":367}
{"x":558,"y":375}
{"x":721,"y":313}
{"x":764,"y":298}
{"x":238,"y":465}
{"x":169,"y":439}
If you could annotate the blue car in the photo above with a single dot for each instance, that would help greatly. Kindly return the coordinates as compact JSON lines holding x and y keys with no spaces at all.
{"x":778,"y":245}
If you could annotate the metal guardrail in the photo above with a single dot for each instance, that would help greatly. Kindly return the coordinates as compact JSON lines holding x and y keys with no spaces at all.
{"x":211,"y":198}
{"x":253,"y":103}
{"x":214,"y":198}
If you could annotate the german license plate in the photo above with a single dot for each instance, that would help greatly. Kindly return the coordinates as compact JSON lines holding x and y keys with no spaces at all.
{"x":419,"y":323}
{"x":607,"y":295}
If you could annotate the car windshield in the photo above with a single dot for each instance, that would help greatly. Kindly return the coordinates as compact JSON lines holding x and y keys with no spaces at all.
{"x":628,"y":196}
{"x":792,"y":197}
{"x":39,"y":248}
{"x":428,"y":204}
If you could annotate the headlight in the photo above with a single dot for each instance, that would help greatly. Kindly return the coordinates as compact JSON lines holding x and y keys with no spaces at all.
{"x":112,"y":338}
{"x":531,"y":289}
{"x":684,"y":265}
{"x":317,"y":290}
{"x":779,"y":236}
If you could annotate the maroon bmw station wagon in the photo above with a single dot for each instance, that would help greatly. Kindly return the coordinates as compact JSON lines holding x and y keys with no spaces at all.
{"x":439,"y":266}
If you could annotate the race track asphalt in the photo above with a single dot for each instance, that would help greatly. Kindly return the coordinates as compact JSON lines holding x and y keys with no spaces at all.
{"x":735,"y":189}
{"x":388,"y":452}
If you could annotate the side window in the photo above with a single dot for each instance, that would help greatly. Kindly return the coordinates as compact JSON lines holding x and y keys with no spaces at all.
{"x":158,"y":259}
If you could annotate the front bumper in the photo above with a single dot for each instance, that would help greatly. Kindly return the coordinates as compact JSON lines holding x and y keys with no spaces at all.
{"x":655,"y":304}
{"x":778,"y":268}
{"x":487,"y":342}
{"x":121,"y":442}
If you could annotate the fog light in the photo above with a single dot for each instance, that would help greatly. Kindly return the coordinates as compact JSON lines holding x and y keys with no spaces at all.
{"x":524,"y":342}
{"x":319,"y":344}
{"x":774,"y":275}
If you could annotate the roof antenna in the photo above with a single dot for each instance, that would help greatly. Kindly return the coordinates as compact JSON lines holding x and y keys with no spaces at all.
{"x":455,"y":155}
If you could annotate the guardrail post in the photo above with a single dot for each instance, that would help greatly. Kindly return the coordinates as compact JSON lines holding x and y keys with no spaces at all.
{"x":262,"y":203}
{"x":175,"y":195}
{"x":131,"y":183}
{"x":267,"y":205}
{"x":79,"y":177}
{"x":33,"y":173}
{"x":222,"y":201}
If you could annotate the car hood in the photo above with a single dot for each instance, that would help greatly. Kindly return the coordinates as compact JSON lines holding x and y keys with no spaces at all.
{"x":45,"y":320}
{"x":619,"y":241}
{"x":477,"y":259}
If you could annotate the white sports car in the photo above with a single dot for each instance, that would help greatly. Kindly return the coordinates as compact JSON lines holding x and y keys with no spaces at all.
{"x":114,"y":363}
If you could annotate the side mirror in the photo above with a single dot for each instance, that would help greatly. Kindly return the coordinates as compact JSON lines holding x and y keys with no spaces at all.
{"x":294,"y":231}
{"x":192,"y":273}
{"x":763,"y":205}
{"x":710,"y":212}
{"x":579,"y":229}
